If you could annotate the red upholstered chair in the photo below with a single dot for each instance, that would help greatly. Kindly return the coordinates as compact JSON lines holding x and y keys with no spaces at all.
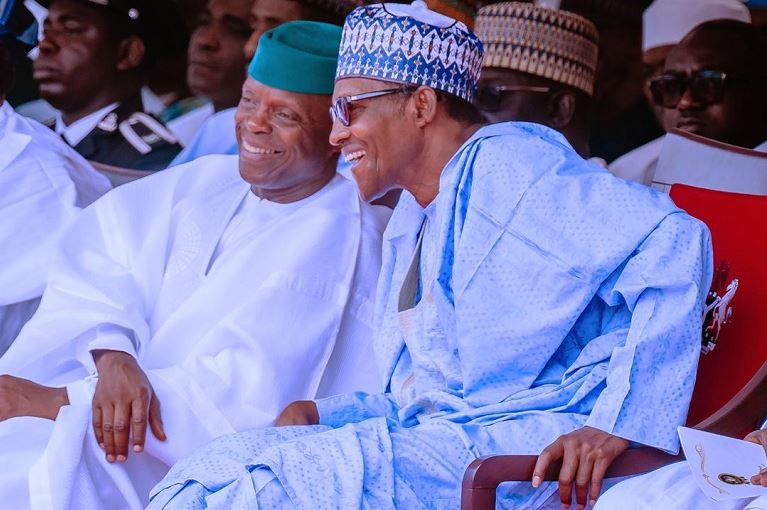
{"x":731,"y":389}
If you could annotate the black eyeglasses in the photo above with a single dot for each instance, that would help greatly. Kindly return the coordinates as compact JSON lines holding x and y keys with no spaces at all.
{"x":490,"y":97}
{"x":341,"y":108}
{"x":706,"y":87}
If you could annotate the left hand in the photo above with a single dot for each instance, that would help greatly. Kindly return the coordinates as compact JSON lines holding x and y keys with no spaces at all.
{"x":21,"y":397}
{"x":586,"y":454}
{"x":759,"y":437}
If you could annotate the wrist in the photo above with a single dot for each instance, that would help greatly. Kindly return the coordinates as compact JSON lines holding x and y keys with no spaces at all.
{"x":104,"y":356}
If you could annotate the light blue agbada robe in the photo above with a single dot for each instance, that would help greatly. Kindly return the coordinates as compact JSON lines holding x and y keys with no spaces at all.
{"x":547,"y":295}
{"x":216,"y":136}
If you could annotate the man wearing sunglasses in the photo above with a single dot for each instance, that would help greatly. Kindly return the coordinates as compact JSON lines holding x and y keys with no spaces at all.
{"x":512,"y":88}
{"x":525,"y":303}
{"x":712,"y":85}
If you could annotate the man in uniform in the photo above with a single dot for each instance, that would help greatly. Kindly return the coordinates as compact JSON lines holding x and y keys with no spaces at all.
{"x":526,"y":303}
{"x":210,"y":295}
{"x":90,"y":68}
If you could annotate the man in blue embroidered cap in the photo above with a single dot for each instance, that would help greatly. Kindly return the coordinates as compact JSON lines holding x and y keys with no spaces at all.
{"x":528,"y":302}
{"x":197,"y":301}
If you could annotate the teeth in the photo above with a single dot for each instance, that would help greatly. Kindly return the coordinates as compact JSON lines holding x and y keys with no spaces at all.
{"x":256,"y":150}
{"x":353,"y":156}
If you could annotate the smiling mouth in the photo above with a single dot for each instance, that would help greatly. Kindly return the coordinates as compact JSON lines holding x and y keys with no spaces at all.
{"x":252,"y":149}
{"x":354,"y":157}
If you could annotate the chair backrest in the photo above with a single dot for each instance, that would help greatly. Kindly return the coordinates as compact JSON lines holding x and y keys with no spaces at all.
{"x":687,"y":158}
{"x":735,"y":333}
{"x":118,"y":175}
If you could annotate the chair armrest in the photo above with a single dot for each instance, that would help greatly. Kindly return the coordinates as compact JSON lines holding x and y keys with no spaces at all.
{"x":483,"y":476}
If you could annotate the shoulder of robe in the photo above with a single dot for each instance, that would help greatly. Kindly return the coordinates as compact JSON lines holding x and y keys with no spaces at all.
{"x":130,"y":138}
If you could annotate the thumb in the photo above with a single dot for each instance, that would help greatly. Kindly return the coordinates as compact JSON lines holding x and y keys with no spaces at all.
{"x":155,"y":419}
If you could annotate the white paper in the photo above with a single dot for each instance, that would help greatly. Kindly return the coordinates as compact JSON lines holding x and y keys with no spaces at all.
{"x":723,"y":466}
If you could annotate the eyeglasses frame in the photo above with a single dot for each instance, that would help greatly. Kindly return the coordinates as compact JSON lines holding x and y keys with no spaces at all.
{"x":335,"y":110}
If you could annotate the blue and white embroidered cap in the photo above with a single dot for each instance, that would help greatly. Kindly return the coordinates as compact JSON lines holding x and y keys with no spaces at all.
{"x":410,"y":44}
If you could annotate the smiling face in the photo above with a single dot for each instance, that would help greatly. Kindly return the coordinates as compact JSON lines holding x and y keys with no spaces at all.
{"x":380,"y":142}
{"x":739,"y":118}
{"x":78,"y":60}
{"x":216,"y":60}
{"x":283,"y":142}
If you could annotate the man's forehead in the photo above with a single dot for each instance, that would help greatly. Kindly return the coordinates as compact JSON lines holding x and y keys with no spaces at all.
{"x":699,"y":56}
{"x":235,"y":8}
{"x":74,"y":8}
{"x":284,"y":10}
{"x":255,"y":87}
{"x":353,"y":85}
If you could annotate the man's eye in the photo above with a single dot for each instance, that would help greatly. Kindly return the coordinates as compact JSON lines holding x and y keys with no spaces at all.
{"x":285,"y":115}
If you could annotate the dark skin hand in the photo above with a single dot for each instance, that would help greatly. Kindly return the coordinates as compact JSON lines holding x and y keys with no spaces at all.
{"x":586,"y":454}
{"x":123,"y":403}
{"x":759,"y":437}
{"x":300,"y":412}
{"x":21,"y":397}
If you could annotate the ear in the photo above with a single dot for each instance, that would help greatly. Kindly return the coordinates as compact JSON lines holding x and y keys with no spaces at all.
{"x":561,"y":109}
{"x":425,"y":101}
{"x":130,"y":53}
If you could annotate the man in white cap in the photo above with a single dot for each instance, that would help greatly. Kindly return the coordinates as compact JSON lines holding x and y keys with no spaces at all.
{"x":524,"y":306}
{"x":539,"y":67}
{"x":665,"y":23}
{"x":213,"y":294}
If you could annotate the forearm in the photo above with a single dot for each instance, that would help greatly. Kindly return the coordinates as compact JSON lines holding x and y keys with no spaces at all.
{"x":355,"y":407}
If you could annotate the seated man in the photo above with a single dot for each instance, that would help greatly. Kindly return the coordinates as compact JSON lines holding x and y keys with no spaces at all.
{"x":216,"y":136}
{"x":673,"y":486}
{"x":213,"y":296}
{"x":710,"y":87}
{"x":91,"y":67}
{"x":554,"y":84}
{"x":43,"y":185}
{"x":527,"y":298}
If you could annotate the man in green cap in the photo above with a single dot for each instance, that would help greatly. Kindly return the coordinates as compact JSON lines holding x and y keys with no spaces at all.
{"x":223,"y":295}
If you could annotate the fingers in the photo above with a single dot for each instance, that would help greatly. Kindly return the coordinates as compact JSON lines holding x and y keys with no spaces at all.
{"x":550,"y":454}
{"x":597,"y":477}
{"x":139,"y":411}
{"x":121,"y":431}
{"x":107,"y":428}
{"x":582,"y":479}
{"x":97,"y":424}
{"x":566,"y":477}
{"x":155,"y":419}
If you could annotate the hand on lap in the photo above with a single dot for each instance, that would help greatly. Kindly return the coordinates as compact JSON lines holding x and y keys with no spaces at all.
{"x":759,"y":437}
{"x":21,"y":397}
{"x":123,"y":403}
{"x":586,"y":454}
{"x":300,"y":412}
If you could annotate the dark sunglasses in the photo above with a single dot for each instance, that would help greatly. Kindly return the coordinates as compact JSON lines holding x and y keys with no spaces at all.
{"x":340,"y":110}
{"x":706,"y":87}
{"x":489,"y":98}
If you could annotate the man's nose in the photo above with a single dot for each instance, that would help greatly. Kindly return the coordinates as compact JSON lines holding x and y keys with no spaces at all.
{"x":206,"y":37}
{"x":338,"y":134}
{"x":688,"y":101}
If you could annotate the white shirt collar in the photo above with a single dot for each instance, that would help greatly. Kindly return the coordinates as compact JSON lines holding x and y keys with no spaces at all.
{"x":79,"y":129}
{"x":762,"y":147}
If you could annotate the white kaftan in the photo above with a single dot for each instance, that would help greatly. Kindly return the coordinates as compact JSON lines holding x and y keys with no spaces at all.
{"x":233,"y":306}
{"x":43,"y":184}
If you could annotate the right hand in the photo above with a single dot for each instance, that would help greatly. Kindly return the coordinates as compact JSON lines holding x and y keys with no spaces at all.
{"x":123,"y":400}
{"x":300,"y":412}
{"x":759,"y":437}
